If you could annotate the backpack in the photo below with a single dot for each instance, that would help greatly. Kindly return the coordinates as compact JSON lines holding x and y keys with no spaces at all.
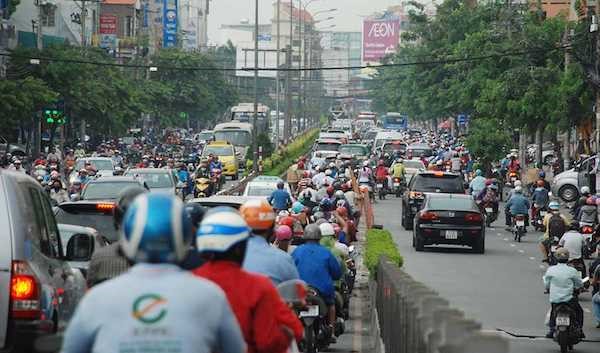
{"x":556,"y":226}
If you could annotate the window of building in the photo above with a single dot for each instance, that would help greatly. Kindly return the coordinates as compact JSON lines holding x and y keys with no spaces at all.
{"x":128,"y":30}
{"x":49,"y":16}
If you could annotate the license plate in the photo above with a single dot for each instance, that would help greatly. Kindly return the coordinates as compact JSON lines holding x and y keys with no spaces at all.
{"x":489,"y":210}
{"x":396,"y":184}
{"x":520,"y":223}
{"x":543,"y":213}
{"x":513,"y":179}
{"x":563,"y":321}
{"x":312,"y":311}
{"x":553,"y":248}
{"x":451,"y":234}
{"x":380,"y":185}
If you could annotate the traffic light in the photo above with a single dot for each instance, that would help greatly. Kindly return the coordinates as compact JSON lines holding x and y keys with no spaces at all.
{"x":54,"y":116}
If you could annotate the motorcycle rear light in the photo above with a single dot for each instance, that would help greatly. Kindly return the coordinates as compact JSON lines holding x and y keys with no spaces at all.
{"x":416,"y":195}
{"x":587,"y":230}
{"x":105,"y":207}
{"x":473,"y":217}
{"x":428,"y":216}
{"x":520,"y":217}
{"x":24,"y":292}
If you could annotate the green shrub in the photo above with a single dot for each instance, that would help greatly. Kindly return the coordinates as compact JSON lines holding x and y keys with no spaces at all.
{"x":379,"y":243}
{"x":282,"y":159}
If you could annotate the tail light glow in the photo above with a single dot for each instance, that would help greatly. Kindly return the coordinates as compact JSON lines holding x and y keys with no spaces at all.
{"x":428,"y":216}
{"x":24,"y":292}
{"x":473,"y":217}
{"x":106,"y":207}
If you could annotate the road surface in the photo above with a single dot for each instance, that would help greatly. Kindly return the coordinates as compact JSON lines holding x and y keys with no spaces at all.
{"x":502,"y":289}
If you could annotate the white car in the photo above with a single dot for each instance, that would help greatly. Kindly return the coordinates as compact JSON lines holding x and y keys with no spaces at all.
{"x":104,"y":166}
{"x":263,"y":186}
{"x":412,"y":167}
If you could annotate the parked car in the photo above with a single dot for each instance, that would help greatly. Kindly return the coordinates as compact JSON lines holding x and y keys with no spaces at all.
{"x":427,"y":182}
{"x":449,"y":219}
{"x":83,"y":242}
{"x":44,"y":289}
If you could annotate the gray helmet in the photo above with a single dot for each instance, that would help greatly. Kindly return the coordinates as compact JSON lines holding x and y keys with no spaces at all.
{"x":312,"y":232}
{"x":562,"y":255}
{"x":320,"y":221}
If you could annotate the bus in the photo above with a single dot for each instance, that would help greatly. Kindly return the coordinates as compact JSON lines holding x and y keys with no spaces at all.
{"x":244,"y":113}
{"x":395,"y":121}
{"x":238,"y":134}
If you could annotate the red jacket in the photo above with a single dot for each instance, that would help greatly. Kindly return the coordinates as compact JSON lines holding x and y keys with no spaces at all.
{"x":381,"y":172}
{"x":257,"y":306}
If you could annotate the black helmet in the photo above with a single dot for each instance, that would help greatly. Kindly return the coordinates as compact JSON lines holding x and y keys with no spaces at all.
{"x":196,"y":212}
{"x":125,"y":199}
{"x":574,"y":226}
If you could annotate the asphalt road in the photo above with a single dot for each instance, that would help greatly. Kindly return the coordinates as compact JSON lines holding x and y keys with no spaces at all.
{"x":502,"y":289}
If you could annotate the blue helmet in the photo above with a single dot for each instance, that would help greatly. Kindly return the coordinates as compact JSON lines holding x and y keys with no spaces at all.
{"x":156,"y":229}
{"x":221,"y":228}
{"x":542,"y":174}
{"x":297,"y":207}
{"x":478,"y":172}
{"x":325,"y":204}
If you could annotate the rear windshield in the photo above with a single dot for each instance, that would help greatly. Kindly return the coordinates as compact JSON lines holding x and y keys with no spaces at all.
{"x":156,"y":180}
{"x":420,"y":152}
{"x":451,"y":184}
{"x":218,"y":150}
{"x":105,"y":191}
{"x":452,"y":204}
{"x":102,"y":222}
{"x":394,"y":147}
{"x":354,"y":150}
{"x":414,"y":164}
{"x":260,"y":190}
{"x":328,"y":147}
{"x":98,"y":164}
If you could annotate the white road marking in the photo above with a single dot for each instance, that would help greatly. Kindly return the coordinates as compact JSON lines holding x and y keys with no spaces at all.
{"x":500,"y":234}
{"x":542,"y":267}
{"x":521,"y":251}
{"x":505,"y":239}
{"x":531,"y":258}
{"x":512,"y":245}
{"x":587,"y":310}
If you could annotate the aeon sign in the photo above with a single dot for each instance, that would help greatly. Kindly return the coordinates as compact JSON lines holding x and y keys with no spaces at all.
{"x":380,"y":37}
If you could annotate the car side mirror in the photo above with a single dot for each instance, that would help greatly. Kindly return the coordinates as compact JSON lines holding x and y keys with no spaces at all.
{"x":80,"y":248}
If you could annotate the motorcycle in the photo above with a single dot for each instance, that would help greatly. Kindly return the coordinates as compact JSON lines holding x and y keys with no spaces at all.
{"x":381,"y":189}
{"x":202,"y":187}
{"x":399,"y":186}
{"x":567,"y":333}
{"x":511,"y":178}
{"x":217,"y":179}
{"x":490,"y":214}
{"x":538,"y":220}
{"x":552,"y":251}
{"x":519,"y":226}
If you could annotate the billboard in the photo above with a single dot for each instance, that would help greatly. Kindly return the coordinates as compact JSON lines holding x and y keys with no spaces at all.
{"x":108,"y":31}
{"x":380,"y":37}
{"x":169,"y":23}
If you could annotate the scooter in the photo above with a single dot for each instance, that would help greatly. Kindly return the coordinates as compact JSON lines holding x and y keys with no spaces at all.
{"x":567,"y":333}
{"x":538,"y":220}
{"x":490,"y":214}
{"x":202,"y":187}
{"x":399,"y":186}
{"x":519,"y":226}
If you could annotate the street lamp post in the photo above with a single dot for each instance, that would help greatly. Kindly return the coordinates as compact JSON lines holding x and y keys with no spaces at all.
{"x":254,"y":119}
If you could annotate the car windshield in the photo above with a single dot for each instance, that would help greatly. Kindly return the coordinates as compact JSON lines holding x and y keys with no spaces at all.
{"x":101,"y":221}
{"x":105,"y":190}
{"x":433,"y":183}
{"x":421,"y":152}
{"x":452,"y":204}
{"x":205,"y":136}
{"x":394,"y":147}
{"x":218,"y":150}
{"x":327,"y":147}
{"x":99,"y":164}
{"x":353,"y":150}
{"x":235,"y":137}
{"x":260,"y":190}
{"x":156,"y":180}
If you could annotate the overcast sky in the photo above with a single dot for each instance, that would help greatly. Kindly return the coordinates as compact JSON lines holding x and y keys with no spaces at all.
{"x":347,"y":18}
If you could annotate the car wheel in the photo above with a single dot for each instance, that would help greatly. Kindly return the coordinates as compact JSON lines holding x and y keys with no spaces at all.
{"x":419,"y":243}
{"x":409,"y":223}
{"x":568,"y":193}
{"x":403,"y":221}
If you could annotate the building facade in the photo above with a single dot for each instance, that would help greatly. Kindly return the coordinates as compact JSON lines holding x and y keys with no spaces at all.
{"x":340,"y":49}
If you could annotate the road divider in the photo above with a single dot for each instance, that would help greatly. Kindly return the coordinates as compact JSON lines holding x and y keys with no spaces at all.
{"x":414,"y":318}
{"x":379,"y":243}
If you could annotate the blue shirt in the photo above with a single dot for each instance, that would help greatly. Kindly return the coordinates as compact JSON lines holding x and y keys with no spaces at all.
{"x":269,"y":261}
{"x":477,"y":184}
{"x":318,"y":267}
{"x":540,"y":196}
{"x":518,"y":204}
{"x":280,"y":199}
{"x":561,"y":280}
{"x":146,"y":308}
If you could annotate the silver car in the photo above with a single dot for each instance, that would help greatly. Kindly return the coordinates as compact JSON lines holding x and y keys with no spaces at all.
{"x":44,"y":289}
{"x":565,"y":185}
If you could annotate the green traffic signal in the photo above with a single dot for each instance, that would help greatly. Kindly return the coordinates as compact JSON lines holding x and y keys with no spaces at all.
{"x":50,"y":120}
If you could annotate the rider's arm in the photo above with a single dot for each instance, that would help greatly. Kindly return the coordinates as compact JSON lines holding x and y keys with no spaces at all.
{"x":576,"y":278}
{"x":229,"y":335}
{"x":547,"y":279}
{"x":335,"y":270}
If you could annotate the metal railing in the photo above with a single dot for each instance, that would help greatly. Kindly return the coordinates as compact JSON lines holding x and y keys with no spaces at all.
{"x":415,"y":319}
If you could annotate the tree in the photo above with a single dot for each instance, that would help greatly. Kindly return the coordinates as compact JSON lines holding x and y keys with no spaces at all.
{"x":490,"y":146}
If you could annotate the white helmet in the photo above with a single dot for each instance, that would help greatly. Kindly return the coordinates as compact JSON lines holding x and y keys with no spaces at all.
{"x":518,"y":189}
{"x":585,"y":190}
{"x":518,"y":183}
{"x":327,"y":229}
{"x":327,"y":171}
{"x":365,"y":163}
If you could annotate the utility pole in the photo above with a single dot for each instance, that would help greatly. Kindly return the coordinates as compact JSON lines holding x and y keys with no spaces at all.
{"x":83,"y":17}
{"x":37,"y":128}
{"x":254,"y":119}
{"x":287,"y":126}
{"x":597,"y":105}
{"x":277,"y":77}
{"x":301,"y":52}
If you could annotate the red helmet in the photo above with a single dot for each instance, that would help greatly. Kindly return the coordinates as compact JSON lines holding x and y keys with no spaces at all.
{"x":283,"y":232}
{"x":306,"y":174}
{"x":380,"y":162}
{"x":342,"y":211}
{"x":330,"y":191}
{"x":287,"y":221}
{"x":488,"y":182}
{"x":540,"y":183}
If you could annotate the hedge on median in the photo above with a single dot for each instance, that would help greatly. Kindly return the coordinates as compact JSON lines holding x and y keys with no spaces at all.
{"x":281,"y":159}
{"x":379,"y":243}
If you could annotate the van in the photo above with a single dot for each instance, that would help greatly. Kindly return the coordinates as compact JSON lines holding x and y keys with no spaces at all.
{"x":39,"y":288}
{"x":383,"y":136}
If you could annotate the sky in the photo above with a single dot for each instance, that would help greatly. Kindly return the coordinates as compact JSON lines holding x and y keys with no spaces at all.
{"x":347,"y":18}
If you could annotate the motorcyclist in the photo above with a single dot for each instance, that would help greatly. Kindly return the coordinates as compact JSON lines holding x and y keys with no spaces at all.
{"x":283,"y":237}
{"x":542,"y":178}
{"x":215,"y":163}
{"x":555,"y":224}
{"x":478,"y":183}
{"x":108,"y":261}
{"x":398,"y":169}
{"x":514,"y":166}
{"x":518,"y":204}
{"x":280,"y":199}
{"x":365,"y":174}
{"x":319,"y":268}
{"x":539,"y":197}
{"x":455,"y":163}
{"x":382,"y":173}
{"x":267,"y":324}
{"x":585,"y":193}
{"x":57,"y":193}
{"x":562,"y":280}
{"x":574,"y":241}
{"x":261,"y":257}
{"x":184,"y":177}
{"x":157,"y":232}
{"x":489,"y":195}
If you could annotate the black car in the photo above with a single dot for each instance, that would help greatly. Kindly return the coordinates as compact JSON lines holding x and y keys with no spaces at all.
{"x":427,"y":182}
{"x":449,"y":219}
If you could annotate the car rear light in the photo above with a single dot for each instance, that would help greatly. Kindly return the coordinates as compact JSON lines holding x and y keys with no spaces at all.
{"x":105,"y":207}
{"x":428,"y":216}
{"x":24,"y":292}
{"x":473,"y":217}
{"x":416,"y":195}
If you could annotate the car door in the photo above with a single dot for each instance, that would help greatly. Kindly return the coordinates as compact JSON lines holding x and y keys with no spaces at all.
{"x":583,"y":175}
{"x":5,"y":263}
